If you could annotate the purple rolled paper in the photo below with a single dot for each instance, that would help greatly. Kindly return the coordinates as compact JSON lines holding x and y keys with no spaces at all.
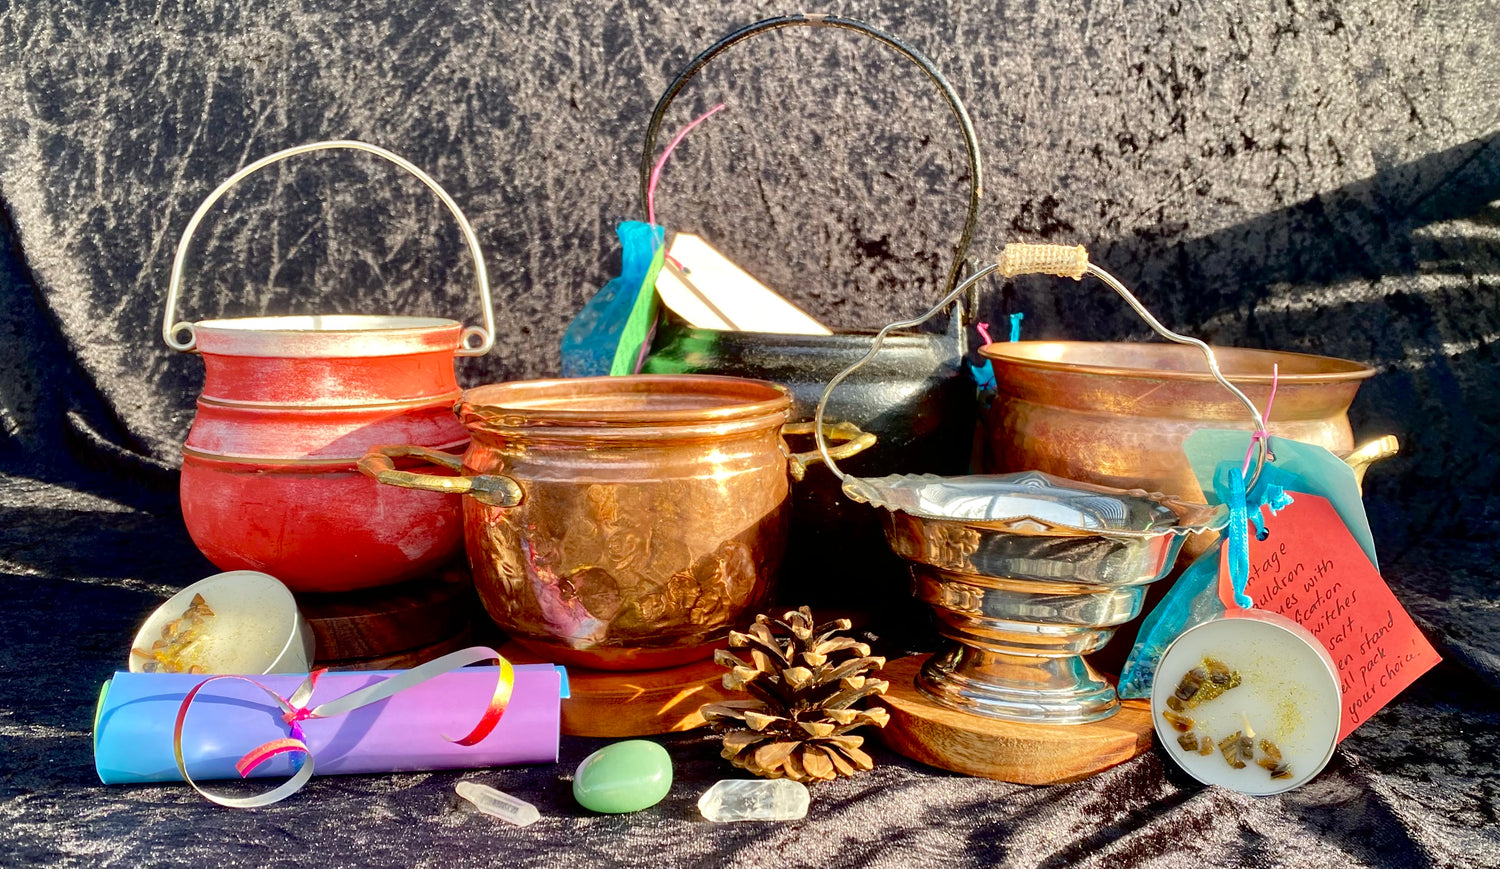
{"x":137,"y":712}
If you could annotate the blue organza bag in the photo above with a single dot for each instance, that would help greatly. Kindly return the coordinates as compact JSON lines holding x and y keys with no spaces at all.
{"x":611,"y":333}
{"x":1192,"y":600}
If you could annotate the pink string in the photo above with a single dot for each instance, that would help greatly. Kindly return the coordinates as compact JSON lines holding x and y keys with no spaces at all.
{"x":1263,"y":434}
{"x":662,"y":161}
{"x":984,"y":332}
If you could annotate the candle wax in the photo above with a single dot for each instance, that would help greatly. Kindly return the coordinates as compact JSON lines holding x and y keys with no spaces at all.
{"x":254,"y":621}
{"x":1287,"y":695}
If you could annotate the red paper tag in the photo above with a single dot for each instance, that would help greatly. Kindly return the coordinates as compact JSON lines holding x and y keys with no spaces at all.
{"x":1311,"y":570}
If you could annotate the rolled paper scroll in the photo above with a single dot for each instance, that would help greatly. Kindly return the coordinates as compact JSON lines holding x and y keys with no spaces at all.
{"x":408,"y":731}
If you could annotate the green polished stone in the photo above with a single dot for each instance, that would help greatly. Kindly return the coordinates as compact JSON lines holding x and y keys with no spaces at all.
{"x":624,"y":777}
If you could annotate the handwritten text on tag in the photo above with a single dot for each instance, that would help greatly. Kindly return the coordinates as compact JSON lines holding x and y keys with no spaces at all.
{"x":1310,"y":569}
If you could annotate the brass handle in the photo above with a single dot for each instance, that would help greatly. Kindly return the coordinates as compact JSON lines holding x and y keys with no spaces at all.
{"x":853,"y":443}
{"x":496,"y":490}
{"x":1368,"y":454}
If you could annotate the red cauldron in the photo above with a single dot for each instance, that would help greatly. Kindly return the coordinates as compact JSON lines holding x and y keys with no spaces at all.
{"x":290,"y":404}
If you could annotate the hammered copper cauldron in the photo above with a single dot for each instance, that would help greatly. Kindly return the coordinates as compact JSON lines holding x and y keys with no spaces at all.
{"x":1117,"y":414}
{"x":620,"y":523}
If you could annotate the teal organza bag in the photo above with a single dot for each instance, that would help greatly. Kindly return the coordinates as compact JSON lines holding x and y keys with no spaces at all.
{"x":1194,"y":598}
{"x":612,"y":331}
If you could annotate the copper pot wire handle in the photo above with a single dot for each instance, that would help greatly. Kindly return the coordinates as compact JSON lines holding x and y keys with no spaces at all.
{"x":485,"y":334}
{"x":950,"y":96}
{"x":1062,"y":261}
{"x":853,"y":442}
{"x":496,"y":490}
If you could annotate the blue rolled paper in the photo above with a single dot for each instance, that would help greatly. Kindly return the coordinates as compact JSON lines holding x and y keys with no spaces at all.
{"x":137,"y":713}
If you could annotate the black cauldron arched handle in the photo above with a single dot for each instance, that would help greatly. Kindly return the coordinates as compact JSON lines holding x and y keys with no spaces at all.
{"x":971,"y":142}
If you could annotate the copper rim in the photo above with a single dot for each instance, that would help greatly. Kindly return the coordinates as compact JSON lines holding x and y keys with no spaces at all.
{"x":634,"y":400}
{"x":1307,"y":367}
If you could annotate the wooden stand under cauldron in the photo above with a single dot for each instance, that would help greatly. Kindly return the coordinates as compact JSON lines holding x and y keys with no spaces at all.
{"x":622,"y":703}
{"x":1030,"y":754}
{"x":393,"y":627}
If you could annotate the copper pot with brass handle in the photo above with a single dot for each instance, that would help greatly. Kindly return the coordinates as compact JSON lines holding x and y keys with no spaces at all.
{"x":622,"y":522}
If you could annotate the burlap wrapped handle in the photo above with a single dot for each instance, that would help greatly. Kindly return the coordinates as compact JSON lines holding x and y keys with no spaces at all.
{"x":1020,"y":258}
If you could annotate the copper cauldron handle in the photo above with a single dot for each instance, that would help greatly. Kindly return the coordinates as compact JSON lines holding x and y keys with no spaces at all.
{"x":496,"y":490}
{"x":853,"y":442}
{"x":485,"y":334}
{"x":1062,"y":261}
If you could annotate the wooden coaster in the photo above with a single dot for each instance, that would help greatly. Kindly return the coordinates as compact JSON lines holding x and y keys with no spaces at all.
{"x":381,"y":622}
{"x":1032,"y":754}
{"x":403,"y":660}
{"x":617,"y":703}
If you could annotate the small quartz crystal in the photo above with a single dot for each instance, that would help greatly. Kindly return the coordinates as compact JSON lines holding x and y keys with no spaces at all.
{"x":775,"y":799}
{"x":498,"y":803}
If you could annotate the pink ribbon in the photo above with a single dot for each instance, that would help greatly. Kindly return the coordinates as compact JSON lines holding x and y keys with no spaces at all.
{"x":1263,"y":434}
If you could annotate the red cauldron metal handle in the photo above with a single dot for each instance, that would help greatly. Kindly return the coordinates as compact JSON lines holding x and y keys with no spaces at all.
{"x":496,"y":490}
{"x":485,"y":334}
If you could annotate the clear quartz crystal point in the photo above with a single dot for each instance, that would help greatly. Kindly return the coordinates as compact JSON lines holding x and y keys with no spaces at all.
{"x":499,"y":804}
{"x":776,"y":799}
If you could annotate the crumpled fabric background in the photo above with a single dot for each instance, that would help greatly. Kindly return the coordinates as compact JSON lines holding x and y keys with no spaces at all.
{"x":1309,"y":176}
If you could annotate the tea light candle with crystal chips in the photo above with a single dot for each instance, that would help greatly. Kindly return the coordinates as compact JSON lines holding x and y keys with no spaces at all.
{"x":1250,"y":702}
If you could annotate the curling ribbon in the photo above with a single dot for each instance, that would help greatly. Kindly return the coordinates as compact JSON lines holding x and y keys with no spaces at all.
{"x":295,"y":710}
{"x":1263,"y":434}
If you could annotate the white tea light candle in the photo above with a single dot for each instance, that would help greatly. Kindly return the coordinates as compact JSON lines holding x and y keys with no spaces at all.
{"x":250,"y":626}
{"x":1250,"y":702}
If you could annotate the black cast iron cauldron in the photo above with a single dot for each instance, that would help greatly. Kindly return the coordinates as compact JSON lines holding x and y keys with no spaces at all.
{"x":915,"y":397}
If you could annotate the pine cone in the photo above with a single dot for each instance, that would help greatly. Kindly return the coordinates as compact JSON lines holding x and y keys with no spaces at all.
{"x":802,"y":681}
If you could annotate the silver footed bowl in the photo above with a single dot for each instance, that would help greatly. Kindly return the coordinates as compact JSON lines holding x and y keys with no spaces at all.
{"x":1022,"y":594}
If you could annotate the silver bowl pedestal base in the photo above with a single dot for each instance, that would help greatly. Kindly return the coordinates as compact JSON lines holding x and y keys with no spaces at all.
{"x":1017,"y":645}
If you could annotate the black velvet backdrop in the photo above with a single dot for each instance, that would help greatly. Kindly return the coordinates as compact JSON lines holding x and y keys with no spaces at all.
{"x":1310,"y":176}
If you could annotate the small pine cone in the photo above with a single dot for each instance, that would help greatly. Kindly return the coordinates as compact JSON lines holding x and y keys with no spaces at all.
{"x":803,"y":683}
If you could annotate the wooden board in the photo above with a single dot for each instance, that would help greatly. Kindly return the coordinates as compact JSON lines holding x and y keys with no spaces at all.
{"x":1033,"y":754}
{"x":380,"y":622}
{"x":633,"y":702}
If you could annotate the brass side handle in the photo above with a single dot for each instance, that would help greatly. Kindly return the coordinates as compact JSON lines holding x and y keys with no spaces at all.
{"x":852,"y":441}
{"x":1368,"y":454}
{"x":496,"y":490}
